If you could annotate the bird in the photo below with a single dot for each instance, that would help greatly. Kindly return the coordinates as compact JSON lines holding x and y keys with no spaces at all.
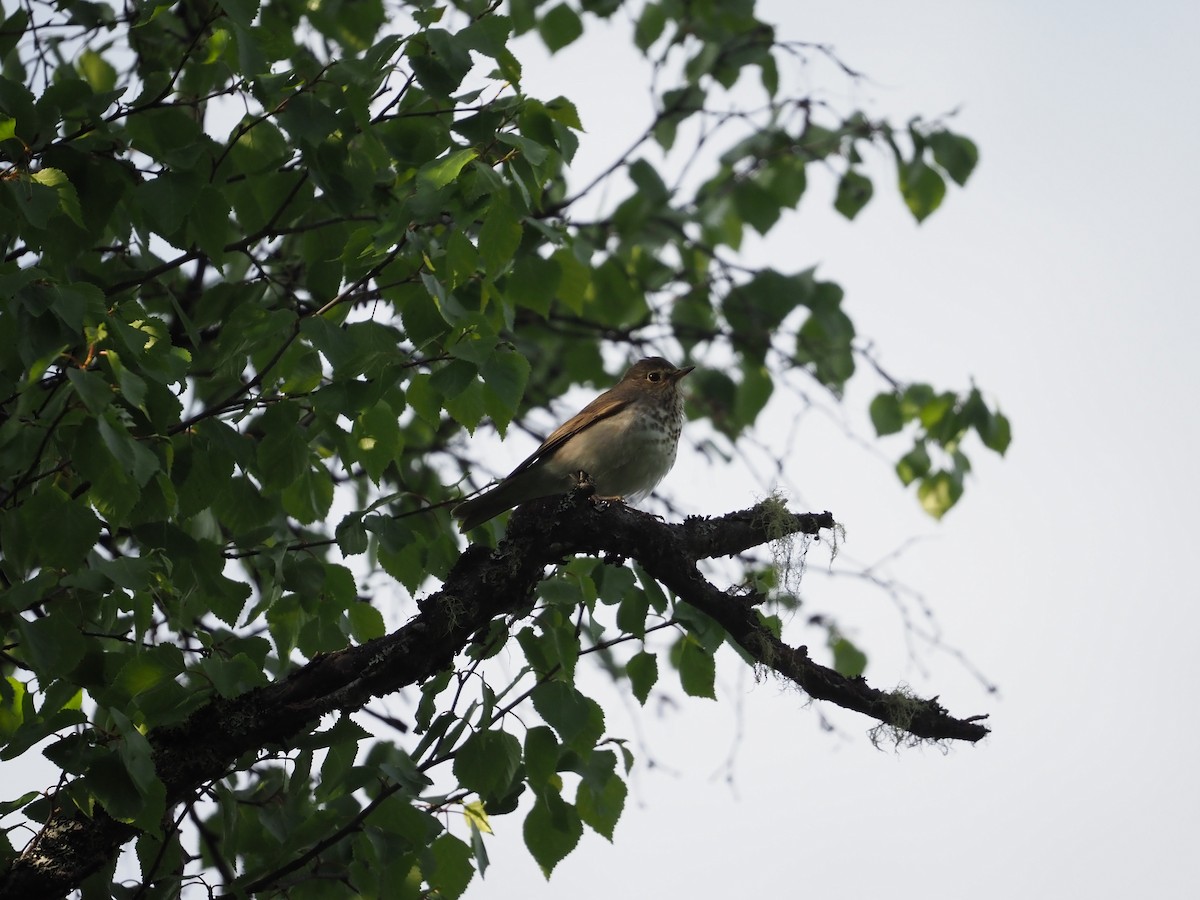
{"x":625,"y":440}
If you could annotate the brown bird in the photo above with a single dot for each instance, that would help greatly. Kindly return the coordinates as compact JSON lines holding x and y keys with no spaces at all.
{"x":625,"y":440}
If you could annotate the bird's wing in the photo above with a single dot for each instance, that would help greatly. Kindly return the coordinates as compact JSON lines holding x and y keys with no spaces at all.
{"x":600,"y":408}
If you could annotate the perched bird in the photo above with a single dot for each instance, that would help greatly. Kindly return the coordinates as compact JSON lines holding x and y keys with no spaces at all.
{"x":625,"y":440}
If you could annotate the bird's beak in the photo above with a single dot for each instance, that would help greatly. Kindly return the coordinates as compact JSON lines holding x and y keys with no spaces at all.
{"x":679,"y":373}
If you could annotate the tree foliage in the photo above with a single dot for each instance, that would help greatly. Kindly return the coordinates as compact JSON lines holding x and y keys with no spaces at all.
{"x":265,"y":265}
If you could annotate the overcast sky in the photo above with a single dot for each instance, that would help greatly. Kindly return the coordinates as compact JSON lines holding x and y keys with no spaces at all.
{"x":1060,"y":280}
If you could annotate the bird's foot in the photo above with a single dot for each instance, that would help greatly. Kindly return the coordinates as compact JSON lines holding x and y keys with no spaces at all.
{"x":607,"y":500}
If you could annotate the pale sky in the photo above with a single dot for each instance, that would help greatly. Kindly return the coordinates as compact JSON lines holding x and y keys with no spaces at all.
{"x":1058,"y":281}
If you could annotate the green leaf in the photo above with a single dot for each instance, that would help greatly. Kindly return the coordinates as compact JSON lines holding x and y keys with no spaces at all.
{"x":52,"y":644}
{"x":241,"y":11}
{"x":564,"y":641}
{"x":938,"y":492}
{"x":753,"y":393}
{"x":697,"y":669}
{"x":167,"y":200}
{"x":441,"y":172}
{"x":283,"y":451}
{"x":632,"y":611}
{"x":575,"y":282}
{"x":650,"y":26}
{"x":537,"y":651}
{"x":853,"y":193}
{"x":914,"y":464}
{"x":885,"y":413}
{"x":208,"y":222}
{"x":310,"y":121}
{"x":366,"y":622}
{"x":654,"y":592}
{"x":161,"y":853}
{"x":701,"y":627}
{"x":12,"y":30}
{"x":378,"y":440}
{"x":148,"y":670}
{"x":60,"y":530}
{"x":824,"y":343}
{"x":423,"y":320}
{"x":135,"y":458}
{"x":429,"y":693}
{"x":651,"y":189}
{"x":915,"y":399}
{"x":134,"y":389}
{"x":477,"y":818}
{"x":93,"y":390}
{"x":938,"y":409}
{"x":36,"y":202}
{"x":579,"y":720}
{"x":462,"y":259}
{"x":600,"y":808}
{"x":783,"y":175}
{"x":111,"y":784}
{"x":552,"y":830}
{"x":469,"y":407}
{"x":452,"y":870}
{"x":137,"y":757}
{"x":922,"y":188}
{"x":533,"y":283}
{"x":440,"y":60}
{"x":352,"y":535}
{"x":642,"y":670}
{"x":131,"y":573}
{"x":453,"y":378}
{"x":848,"y":660}
{"x":996,"y":432}
{"x":534,"y":153}
{"x":542,"y":752}
{"x":499,"y":237}
{"x":955,"y":154}
{"x":757,"y":205}
{"x":240,"y":506}
{"x":487,"y":763}
{"x":613,"y":583}
{"x":562,"y":110}
{"x":559,"y":27}
{"x":68,"y":198}
{"x":490,"y":642}
{"x":505,"y":375}
{"x":96,"y":71}
{"x":760,"y":305}
{"x":11,"y":806}
{"x":488,"y":34}
{"x":234,"y":675}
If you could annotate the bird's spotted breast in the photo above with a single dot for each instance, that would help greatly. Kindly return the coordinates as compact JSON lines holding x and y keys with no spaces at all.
{"x":626,"y":455}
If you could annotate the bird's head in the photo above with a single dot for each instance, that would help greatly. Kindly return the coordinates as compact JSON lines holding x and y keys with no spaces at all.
{"x":655,"y":374}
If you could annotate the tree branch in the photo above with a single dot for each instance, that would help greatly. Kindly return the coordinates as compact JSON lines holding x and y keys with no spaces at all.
{"x":483,"y":584}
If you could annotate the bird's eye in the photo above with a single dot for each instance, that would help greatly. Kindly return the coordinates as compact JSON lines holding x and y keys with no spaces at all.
{"x":655,"y":376}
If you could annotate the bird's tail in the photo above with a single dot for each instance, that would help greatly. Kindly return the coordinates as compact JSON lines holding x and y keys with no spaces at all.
{"x":474,"y":512}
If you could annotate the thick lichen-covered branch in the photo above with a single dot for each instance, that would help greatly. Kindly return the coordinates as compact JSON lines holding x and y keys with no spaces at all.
{"x":669,"y":553}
